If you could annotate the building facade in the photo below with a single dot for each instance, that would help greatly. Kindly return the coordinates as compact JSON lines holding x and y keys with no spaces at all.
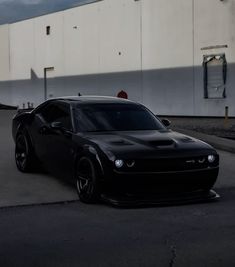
{"x":176,"y":57}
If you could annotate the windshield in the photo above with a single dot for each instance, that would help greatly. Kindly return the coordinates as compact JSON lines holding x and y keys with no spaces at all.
{"x":114,"y":117}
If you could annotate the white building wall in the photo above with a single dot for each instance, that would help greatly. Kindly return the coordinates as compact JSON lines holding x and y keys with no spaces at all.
{"x":214,"y":24}
{"x":119,"y":36}
{"x":81,"y":41}
{"x":167,"y":33}
{"x":22,"y":49}
{"x":49,"y":49}
{"x":93,"y":39}
{"x":102,"y":37}
{"x":96,"y":38}
{"x":150,"y":48}
{"x":5,"y":95}
{"x":4,"y":53}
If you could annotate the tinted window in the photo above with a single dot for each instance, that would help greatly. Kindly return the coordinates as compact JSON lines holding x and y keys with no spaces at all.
{"x":57,"y":113}
{"x":115,"y":117}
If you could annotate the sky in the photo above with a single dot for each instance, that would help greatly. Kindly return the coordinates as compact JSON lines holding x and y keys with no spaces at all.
{"x":14,"y":10}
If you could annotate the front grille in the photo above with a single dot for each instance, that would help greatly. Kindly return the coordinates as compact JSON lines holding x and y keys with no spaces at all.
{"x":162,"y":183}
{"x":170,"y":164}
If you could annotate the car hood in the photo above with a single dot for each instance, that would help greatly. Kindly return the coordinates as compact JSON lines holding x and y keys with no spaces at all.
{"x":146,"y":143}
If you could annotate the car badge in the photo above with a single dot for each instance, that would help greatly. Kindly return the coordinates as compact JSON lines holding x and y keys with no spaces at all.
{"x":190,"y":161}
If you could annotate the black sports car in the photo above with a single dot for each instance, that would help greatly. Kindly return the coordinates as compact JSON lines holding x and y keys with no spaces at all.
{"x":114,"y":149}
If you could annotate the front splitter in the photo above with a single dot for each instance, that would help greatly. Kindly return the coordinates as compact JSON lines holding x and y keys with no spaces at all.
{"x":163,"y":200}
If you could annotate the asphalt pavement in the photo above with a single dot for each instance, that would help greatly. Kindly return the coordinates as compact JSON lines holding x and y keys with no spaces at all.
{"x":70,"y":233}
{"x":75,"y":234}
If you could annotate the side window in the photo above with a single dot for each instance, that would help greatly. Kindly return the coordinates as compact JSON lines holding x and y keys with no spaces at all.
{"x":215,"y":74}
{"x":58,"y":112}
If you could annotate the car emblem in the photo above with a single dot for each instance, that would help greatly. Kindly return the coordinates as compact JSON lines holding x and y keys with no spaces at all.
{"x":190,"y":161}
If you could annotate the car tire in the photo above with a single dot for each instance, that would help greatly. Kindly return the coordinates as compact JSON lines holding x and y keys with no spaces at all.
{"x":86,"y":181}
{"x":24,"y":156}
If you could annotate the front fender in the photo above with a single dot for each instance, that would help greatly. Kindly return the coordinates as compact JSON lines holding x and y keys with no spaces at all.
{"x":92,"y":153}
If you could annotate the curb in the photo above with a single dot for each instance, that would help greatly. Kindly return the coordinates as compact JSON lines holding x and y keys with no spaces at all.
{"x":216,"y":142}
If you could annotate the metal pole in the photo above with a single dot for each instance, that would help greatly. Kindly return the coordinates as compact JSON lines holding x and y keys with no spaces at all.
{"x":226,"y":116}
{"x":45,"y":84}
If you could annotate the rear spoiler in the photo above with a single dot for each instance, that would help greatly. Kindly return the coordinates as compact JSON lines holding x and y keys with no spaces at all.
{"x":7,"y":107}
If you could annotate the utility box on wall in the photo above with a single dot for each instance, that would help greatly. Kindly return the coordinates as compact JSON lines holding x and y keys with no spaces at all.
{"x":215,"y":74}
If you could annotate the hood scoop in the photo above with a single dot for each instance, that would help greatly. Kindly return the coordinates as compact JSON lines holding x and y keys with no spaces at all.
{"x":160,"y":143}
{"x":186,"y":140}
{"x":120,"y":142}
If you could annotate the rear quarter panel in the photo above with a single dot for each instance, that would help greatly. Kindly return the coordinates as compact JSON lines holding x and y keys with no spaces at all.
{"x":20,"y":121}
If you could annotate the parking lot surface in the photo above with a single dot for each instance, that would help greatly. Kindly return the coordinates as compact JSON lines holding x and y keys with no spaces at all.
{"x":75,"y":234}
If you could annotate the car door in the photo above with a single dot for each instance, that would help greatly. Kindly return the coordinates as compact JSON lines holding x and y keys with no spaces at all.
{"x":40,"y":130}
{"x":62,"y":146}
{"x":53,"y":145}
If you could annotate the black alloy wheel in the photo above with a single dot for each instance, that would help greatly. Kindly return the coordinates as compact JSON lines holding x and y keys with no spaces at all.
{"x":86,"y":181}
{"x":23,"y":154}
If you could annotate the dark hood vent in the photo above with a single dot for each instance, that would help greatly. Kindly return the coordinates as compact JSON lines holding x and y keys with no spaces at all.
{"x":162,"y":143}
{"x":186,"y":140}
{"x":120,"y":142}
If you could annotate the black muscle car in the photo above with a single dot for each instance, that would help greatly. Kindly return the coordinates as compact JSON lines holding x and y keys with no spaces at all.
{"x":116,"y":150}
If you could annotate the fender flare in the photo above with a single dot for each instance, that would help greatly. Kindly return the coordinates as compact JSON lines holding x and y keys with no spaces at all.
{"x":91,"y":153}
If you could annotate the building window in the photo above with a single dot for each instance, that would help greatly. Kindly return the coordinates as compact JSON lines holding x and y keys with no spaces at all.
{"x":215,"y":74}
{"x":48,"y":30}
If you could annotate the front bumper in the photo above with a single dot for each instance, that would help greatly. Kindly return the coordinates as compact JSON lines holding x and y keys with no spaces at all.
{"x":161,"y":185}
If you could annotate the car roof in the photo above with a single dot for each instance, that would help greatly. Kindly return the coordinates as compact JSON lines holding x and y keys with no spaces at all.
{"x":86,"y":100}
{"x":93,"y":99}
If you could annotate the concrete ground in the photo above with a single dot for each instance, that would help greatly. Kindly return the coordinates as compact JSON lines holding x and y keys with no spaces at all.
{"x":17,"y":188}
{"x":212,"y":126}
{"x":74,"y":234}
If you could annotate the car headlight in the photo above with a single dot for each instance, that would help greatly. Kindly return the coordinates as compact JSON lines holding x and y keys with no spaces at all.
{"x":119,"y":163}
{"x":211,"y":158}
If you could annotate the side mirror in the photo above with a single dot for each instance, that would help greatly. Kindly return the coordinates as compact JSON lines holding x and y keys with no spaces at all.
{"x":166,"y":122}
{"x":56,"y":125}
